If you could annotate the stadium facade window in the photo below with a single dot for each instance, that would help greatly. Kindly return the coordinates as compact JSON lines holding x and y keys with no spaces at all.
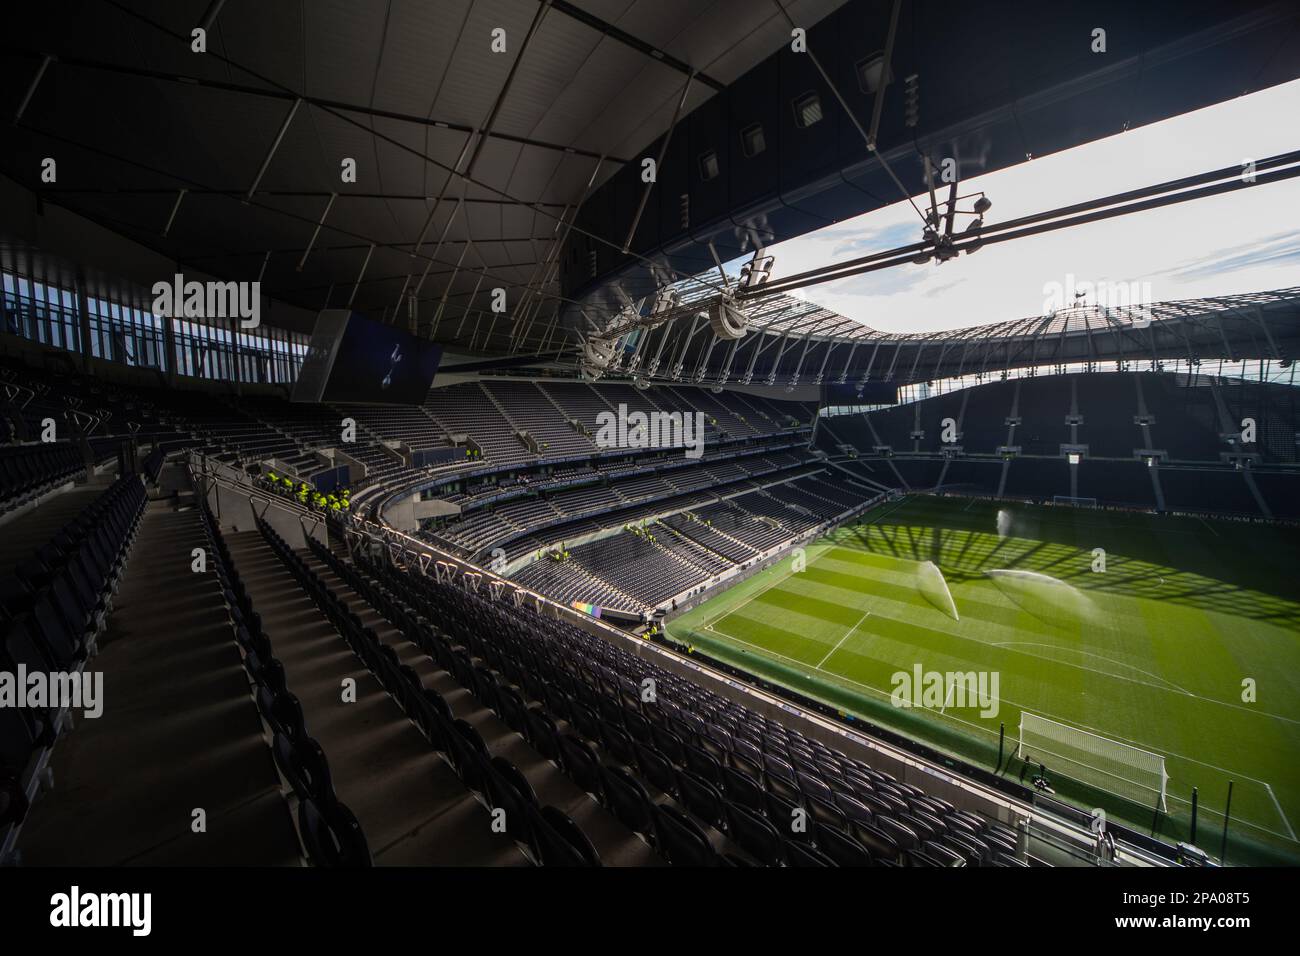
{"x":122,"y":328}
{"x":709,"y":165}
{"x":752,"y":141}
{"x":123,"y":332}
{"x":869,"y":72}
{"x":41,"y":312}
{"x":807,"y":110}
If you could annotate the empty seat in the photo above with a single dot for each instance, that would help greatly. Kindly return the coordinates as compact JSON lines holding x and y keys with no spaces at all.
{"x":681,"y":840}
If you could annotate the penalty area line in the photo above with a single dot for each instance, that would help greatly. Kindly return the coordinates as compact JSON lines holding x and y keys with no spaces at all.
{"x":1285,"y":822}
{"x":847,"y":635}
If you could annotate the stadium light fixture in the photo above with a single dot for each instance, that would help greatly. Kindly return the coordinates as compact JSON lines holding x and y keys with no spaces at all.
{"x":871,"y":73}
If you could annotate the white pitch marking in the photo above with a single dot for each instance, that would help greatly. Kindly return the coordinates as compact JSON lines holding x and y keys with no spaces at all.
{"x":842,"y":640}
{"x":1285,"y":822}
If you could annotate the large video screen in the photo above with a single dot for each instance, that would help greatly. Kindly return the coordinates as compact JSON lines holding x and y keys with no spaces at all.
{"x":851,"y":393}
{"x":353,"y":359}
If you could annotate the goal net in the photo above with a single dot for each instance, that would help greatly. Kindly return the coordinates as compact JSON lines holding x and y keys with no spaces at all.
{"x":1093,"y":759}
{"x":1077,"y":502}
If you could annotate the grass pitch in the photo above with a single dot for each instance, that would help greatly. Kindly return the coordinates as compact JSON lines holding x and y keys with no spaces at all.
{"x":1151,"y":651}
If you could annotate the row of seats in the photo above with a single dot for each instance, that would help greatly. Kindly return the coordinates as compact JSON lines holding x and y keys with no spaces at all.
{"x":477,"y":526}
{"x":501,"y":684}
{"x":1207,"y":490}
{"x":53,"y":608}
{"x":728,"y":777}
{"x":1184,"y":417}
{"x":548,"y":834}
{"x":28,"y":473}
{"x":330,"y":833}
{"x":679,"y":558}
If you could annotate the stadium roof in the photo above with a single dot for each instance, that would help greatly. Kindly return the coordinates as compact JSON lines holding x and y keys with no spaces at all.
{"x":793,"y":340}
{"x":468,"y":161}
{"x":254,"y":130}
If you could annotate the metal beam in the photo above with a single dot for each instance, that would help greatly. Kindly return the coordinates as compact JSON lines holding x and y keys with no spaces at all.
{"x":505,"y":87}
{"x":210,"y":15}
{"x":284,"y":128}
{"x":886,"y":59}
{"x":287,"y":95}
{"x":663,"y":151}
{"x":175,"y":209}
{"x":315,"y":232}
{"x":361,"y":275}
{"x":635,"y":43}
{"x":31,"y":87}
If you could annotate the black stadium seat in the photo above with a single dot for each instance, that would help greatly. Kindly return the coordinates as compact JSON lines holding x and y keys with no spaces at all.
{"x":682,"y":841}
{"x":628,"y":800}
{"x":755,"y":834}
{"x":841,"y":847}
{"x":571,"y":835}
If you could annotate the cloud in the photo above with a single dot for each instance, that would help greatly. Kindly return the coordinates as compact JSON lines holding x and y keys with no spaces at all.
{"x":1278,"y":249}
{"x":940,"y":289}
{"x":882,"y":283}
{"x":857,"y":243}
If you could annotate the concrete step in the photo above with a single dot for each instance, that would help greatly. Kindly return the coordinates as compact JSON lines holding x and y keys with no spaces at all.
{"x":179,"y":731}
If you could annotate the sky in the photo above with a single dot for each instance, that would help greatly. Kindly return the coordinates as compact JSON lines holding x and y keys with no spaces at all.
{"x":1246,"y":241}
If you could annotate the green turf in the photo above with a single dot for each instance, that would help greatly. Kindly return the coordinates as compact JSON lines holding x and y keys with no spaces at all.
{"x":1152,"y":651}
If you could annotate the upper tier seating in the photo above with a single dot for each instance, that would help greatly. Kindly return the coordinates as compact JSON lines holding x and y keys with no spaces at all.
{"x":1043,"y":407}
{"x":536,"y":505}
{"x":732,"y":423}
{"x":1276,"y":412}
{"x":469,"y":410}
{"x":683,"y":551}
{"x":531,"y":410}
{"x":983,"y":424}
{"x":576,"y":401}
{"x":397,"y":423}
{"x":1186,"y":418}
{"x":1108,"y":404}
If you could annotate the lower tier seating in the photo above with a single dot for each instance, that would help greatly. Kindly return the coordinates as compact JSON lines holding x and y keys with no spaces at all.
{"x":704,"y":778}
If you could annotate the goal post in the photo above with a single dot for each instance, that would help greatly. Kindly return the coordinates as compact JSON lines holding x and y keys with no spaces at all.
{"x":1090,"y":758}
